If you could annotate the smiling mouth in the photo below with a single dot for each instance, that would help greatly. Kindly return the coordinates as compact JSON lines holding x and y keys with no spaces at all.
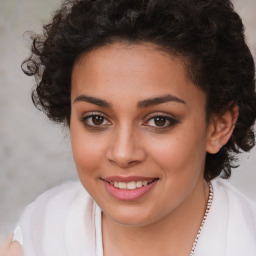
{"x":129,"y":188}
{"x":131,"y":185}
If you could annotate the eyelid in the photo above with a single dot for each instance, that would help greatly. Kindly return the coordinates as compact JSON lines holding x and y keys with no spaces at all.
{"x":163,"y":114}
{"x":88,"y":115}
{"x":169,"y":117}
{"x":172,"y":120}
{"x":93,"y":113}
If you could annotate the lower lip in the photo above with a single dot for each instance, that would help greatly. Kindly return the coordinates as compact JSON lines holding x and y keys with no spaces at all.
{"x":126,"y":194}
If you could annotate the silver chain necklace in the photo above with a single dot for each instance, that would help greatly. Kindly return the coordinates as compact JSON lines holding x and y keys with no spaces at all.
{"x":209,"y":204}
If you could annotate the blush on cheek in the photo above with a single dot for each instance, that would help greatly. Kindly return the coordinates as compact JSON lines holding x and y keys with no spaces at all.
{"x":87,"y":156}
{"x":85,"y":161}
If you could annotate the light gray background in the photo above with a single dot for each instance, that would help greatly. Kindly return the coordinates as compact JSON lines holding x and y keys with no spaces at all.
{"x":34,"y":153}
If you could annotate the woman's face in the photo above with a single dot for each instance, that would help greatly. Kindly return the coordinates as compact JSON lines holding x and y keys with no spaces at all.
{"x":138,"y":131}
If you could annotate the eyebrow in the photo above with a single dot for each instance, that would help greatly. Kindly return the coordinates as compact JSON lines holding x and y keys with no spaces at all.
{"x":93,"y":100}
{"x":159,"y":100}
{"x":141,"y":104}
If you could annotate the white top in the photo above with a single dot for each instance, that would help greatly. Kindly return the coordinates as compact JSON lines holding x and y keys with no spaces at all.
{"x":65,"y":221}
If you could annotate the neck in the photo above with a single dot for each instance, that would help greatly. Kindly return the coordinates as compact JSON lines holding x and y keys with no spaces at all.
{"x":172,"y":235}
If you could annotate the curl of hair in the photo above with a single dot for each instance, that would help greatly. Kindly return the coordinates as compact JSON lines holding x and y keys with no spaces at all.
{"x":209,"y":34}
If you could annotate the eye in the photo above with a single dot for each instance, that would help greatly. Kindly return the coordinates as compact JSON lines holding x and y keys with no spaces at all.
{"x":95,"y":121}
{"x":160,"y":122}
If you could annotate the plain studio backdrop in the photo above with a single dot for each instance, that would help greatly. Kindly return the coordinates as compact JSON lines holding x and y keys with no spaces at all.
{"x":35,"y":154}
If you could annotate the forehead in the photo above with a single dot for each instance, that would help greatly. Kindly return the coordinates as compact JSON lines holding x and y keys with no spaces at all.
{"x":137,"y":71}
{"x":124,"y":57}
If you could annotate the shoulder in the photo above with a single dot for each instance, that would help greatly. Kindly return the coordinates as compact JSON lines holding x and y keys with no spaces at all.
{"x":230,"y":227}
{"x":55,"y":201}
{"x":235,"y":200}
{"x":47,"y":223}
{"x":66,"y":191}
{"x":240,"y":210}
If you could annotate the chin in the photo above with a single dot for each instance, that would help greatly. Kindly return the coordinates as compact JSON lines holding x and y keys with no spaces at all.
{"x":134,"y":218}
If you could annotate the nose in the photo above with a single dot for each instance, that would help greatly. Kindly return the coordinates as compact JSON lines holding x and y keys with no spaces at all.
{"x":125,"y":149}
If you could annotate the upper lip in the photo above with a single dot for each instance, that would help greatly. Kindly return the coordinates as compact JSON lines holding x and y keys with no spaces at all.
{"x":128,"y":178}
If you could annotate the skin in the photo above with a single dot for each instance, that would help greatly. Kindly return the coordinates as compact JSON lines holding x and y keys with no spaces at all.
{"x":128,"y":141}
{"x":9,"y":248}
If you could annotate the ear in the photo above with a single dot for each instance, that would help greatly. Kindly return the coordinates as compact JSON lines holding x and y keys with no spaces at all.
{"x":220,"y":130}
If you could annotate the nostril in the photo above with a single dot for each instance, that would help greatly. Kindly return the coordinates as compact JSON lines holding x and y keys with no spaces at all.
{"x":125,"y":151}
{"x":123,"y":164}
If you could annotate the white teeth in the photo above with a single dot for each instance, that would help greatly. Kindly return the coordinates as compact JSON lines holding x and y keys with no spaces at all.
{"x":139,"y":184}
{"x":129,"y":185}
{"x":122,"y":185}
{"x":144,"y":183}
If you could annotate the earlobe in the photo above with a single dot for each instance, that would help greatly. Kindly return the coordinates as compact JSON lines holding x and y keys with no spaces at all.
{"x":220,"y":130}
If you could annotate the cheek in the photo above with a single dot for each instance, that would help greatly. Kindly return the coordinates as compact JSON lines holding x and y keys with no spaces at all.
{"x":87,"y":157}
{"x":87,"y":151}
{"x":181,"y":153}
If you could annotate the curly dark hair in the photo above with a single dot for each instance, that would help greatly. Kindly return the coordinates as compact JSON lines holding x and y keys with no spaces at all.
{"x":209,"y":34}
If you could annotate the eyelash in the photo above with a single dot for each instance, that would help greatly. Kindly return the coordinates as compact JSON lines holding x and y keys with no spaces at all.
{"x":170,"y":120}
{"x":85,"y":121}
{"x":88,"y":122}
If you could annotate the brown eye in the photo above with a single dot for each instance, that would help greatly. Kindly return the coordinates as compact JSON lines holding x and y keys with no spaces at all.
{"x":97,"y":120}
{"x":160,"y":121}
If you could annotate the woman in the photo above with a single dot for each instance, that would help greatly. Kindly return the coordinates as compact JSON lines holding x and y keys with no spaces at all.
{"x":159,"y":96}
